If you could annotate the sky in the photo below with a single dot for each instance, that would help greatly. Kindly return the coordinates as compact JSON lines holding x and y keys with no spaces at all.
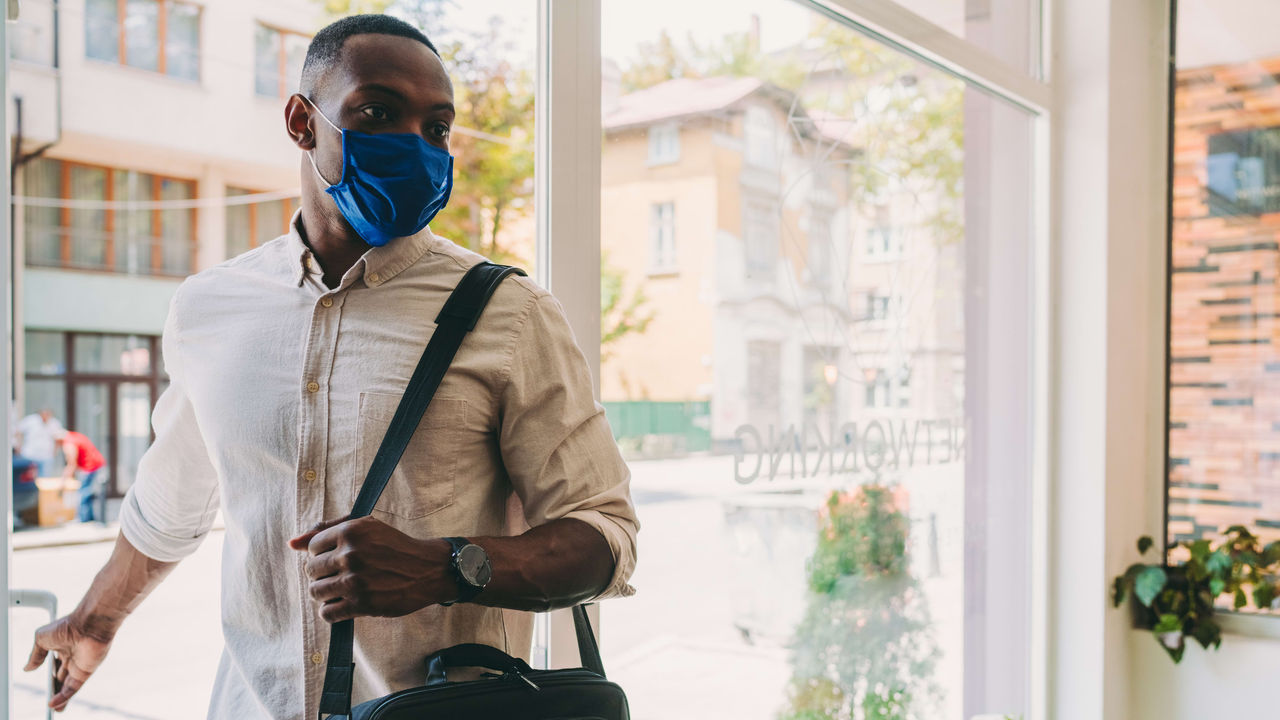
{"x":627,"y":24}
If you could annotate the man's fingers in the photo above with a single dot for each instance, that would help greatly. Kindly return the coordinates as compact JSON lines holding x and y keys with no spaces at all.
{"x":69,"y":688}
{"x":38,"y":654}
{"x":302,"y":541}
{"x":337,"y":611}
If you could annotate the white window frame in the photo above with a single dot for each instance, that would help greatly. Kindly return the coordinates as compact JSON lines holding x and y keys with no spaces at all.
{"x":662,"y":238}
{"x":664,"y":144}
{"x":760,"y":137}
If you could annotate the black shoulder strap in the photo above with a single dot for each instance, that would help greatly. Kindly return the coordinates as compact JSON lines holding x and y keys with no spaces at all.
{"x":459,"y":316}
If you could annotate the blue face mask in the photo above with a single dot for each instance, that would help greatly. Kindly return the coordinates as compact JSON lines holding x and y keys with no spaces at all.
{"x":392,"y":183}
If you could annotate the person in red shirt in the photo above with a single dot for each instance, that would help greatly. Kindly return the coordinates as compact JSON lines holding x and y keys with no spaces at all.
{"x":83,"y":456}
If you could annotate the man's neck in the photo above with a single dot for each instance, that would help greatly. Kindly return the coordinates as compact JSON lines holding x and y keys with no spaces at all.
{"x":333,"y":243}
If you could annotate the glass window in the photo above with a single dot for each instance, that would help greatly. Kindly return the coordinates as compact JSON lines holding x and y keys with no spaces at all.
{"x":250,"y":224}
{"x":277,"y":61}
{"x":87,"y":225}
{"x":182,"y":40}
{"x":157,"y":35}
{"x":761,"y":137}
{"x":1008,"y":29}
{"x":102,"y":30}
{"x":142,"y":34}
{"x":134,"y":232}
{"x":41,"y":394}
{"x":43,"y":226}
{"x":239,"y":224}
{"x":31,"y":35}
{"x":662,"y":237}
{"x":823,"y":428}
{"x":1224,"y":462}
{"x":45,"y":353}
{"x":664,"y":144}
{"x":177,"y":227}
{"x":112,"y":355}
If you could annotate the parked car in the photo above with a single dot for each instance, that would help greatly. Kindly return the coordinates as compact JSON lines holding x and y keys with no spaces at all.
{"x":25,"y":493}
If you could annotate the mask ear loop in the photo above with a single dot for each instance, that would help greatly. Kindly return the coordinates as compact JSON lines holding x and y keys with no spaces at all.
{"x":311,"y":153}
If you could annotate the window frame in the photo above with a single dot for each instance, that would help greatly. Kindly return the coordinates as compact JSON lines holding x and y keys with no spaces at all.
{"x":156,"y":254}
{"x":662,"y":226}
{"x":162,"y":46}
{"x":664,"y":144}
{"x":282,"y":59}
{"x":291,"y":205}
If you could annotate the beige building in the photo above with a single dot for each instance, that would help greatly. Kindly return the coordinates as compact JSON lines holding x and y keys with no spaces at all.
{"x":134,"y":123}
{"x":780,"y":298}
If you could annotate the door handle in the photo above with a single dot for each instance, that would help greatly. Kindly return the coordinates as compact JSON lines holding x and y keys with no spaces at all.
{"x":49,"y":602}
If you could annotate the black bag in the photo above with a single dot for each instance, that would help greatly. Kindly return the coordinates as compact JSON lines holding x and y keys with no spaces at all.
{"x":513,"y":690}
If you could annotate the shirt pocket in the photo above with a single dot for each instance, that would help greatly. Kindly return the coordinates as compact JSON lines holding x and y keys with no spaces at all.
{"x":423,"y":481}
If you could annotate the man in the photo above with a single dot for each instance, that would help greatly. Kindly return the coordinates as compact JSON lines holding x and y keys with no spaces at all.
{"x":81,"y":455}
{"x":35,"y":439}
{"x":286,"y":365}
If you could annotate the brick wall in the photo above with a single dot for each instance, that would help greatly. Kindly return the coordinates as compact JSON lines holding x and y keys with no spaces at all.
{"x":1224,"y":433}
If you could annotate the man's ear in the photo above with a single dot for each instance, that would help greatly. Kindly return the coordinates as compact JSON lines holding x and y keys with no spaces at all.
{"x":297,"y":122}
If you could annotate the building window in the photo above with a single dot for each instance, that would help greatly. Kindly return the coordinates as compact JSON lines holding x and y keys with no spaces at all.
{"x":760,"y":233}
{"x":102,"y":385}
{"x":148,"y":240}
{"x":662,"y":237}
{"x":764,"y":384}
{"x":878,"y":389}
{"x":158,"y":35}
{"x":252,"y":224}
{"x":277,"y":61}
{"x":880,"y":305}
{"x":820,"y":256}
{"x":664,"y":144}
{"x":761,"y":138}
{"x":31,"y":35}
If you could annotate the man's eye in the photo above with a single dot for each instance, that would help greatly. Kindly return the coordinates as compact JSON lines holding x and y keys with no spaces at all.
{"x":377,"y":112}
{"x":439,"y":130}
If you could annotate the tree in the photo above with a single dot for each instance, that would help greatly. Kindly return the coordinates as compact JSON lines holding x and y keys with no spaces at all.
{"x":619,"y":315}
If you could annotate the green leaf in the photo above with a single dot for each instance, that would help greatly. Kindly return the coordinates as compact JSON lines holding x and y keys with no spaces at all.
{"x":1117,"y":590}
{"x":1207,"y":633}
{"x":1271,"y":554}
{"x":1168,"y":624}
{"x":1200,"y":550}
{"x":1149,"y":583}
{"x":1240,"y":530}
{"x":1241,"y":601}
{"x":1216,"y":586}
{"x":1263,"y":596}
{"x":1219,"y":563}
{"x":1144,"y":544}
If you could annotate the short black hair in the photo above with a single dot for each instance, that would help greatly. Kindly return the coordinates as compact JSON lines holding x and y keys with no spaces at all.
{"x":326,"y":46}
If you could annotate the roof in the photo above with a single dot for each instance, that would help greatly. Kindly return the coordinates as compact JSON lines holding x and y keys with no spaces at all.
{"x":679,"y":98}
{"x":686,"y":97}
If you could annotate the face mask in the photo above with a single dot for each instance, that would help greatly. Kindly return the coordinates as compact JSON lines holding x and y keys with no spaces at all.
{"x":392,"y":183}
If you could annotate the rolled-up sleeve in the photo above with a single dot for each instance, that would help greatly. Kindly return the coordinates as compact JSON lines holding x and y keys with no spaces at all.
{"x":556,"y":443}
{"x":173,"y":501}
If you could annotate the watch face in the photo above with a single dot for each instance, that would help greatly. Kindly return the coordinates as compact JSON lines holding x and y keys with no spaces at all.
{"x":473,"y":565}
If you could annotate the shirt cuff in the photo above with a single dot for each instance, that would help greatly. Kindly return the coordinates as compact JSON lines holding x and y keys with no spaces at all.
{"x":150,"y":540}
{"x":622,"y":543}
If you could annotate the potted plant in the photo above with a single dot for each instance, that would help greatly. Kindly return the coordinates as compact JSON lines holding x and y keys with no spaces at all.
{"x":1180,"y":601}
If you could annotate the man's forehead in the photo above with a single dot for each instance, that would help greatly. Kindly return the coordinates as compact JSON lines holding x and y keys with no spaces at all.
{"x":400,"y":63}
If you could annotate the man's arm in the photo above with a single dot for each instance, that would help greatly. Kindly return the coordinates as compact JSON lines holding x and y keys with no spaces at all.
{"x":69,"y":452}
{"x":573,"y":486}
{"x":366,"y":567}
{"x":81,"y":640}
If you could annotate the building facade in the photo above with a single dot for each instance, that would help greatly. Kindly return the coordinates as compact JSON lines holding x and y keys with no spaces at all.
{"x":139,"y":129}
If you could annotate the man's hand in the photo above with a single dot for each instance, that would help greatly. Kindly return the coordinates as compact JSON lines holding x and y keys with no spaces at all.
{"x":77,"y":654}
{"x":364,"y":567}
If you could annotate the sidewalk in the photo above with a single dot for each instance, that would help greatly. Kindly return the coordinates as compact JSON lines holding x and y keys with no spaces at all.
{"x":77,"y":533}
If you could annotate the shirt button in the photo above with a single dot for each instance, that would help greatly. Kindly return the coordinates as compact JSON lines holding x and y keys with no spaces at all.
{"x":313,"y":386}
{"x":327,"y":301}
{"x":317,"y":658}
{"x":310,"y":475}
{"x":373,"y":278}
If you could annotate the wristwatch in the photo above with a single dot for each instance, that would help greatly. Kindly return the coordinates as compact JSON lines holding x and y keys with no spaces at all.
{"x":471,"y":568}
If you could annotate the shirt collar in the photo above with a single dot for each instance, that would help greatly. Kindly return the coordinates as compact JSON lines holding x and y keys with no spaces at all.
{"x":377,"y":266}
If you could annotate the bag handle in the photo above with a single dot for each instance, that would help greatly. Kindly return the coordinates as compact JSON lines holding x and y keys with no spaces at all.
{"x":458,"y":317}
{"x":471,"y":655}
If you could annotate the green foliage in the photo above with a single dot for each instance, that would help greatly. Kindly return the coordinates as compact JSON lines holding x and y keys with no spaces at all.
{"x":864,"y":648}
{"x":1180,"y":601}
{"x":620,"y":315}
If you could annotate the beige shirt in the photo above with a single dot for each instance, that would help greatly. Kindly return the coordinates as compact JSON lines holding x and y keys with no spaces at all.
{"x":281,"y":391}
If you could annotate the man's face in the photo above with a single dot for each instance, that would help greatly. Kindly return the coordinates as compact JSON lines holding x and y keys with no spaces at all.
{"x":45,"y":415}
{"x":382,"y":84}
